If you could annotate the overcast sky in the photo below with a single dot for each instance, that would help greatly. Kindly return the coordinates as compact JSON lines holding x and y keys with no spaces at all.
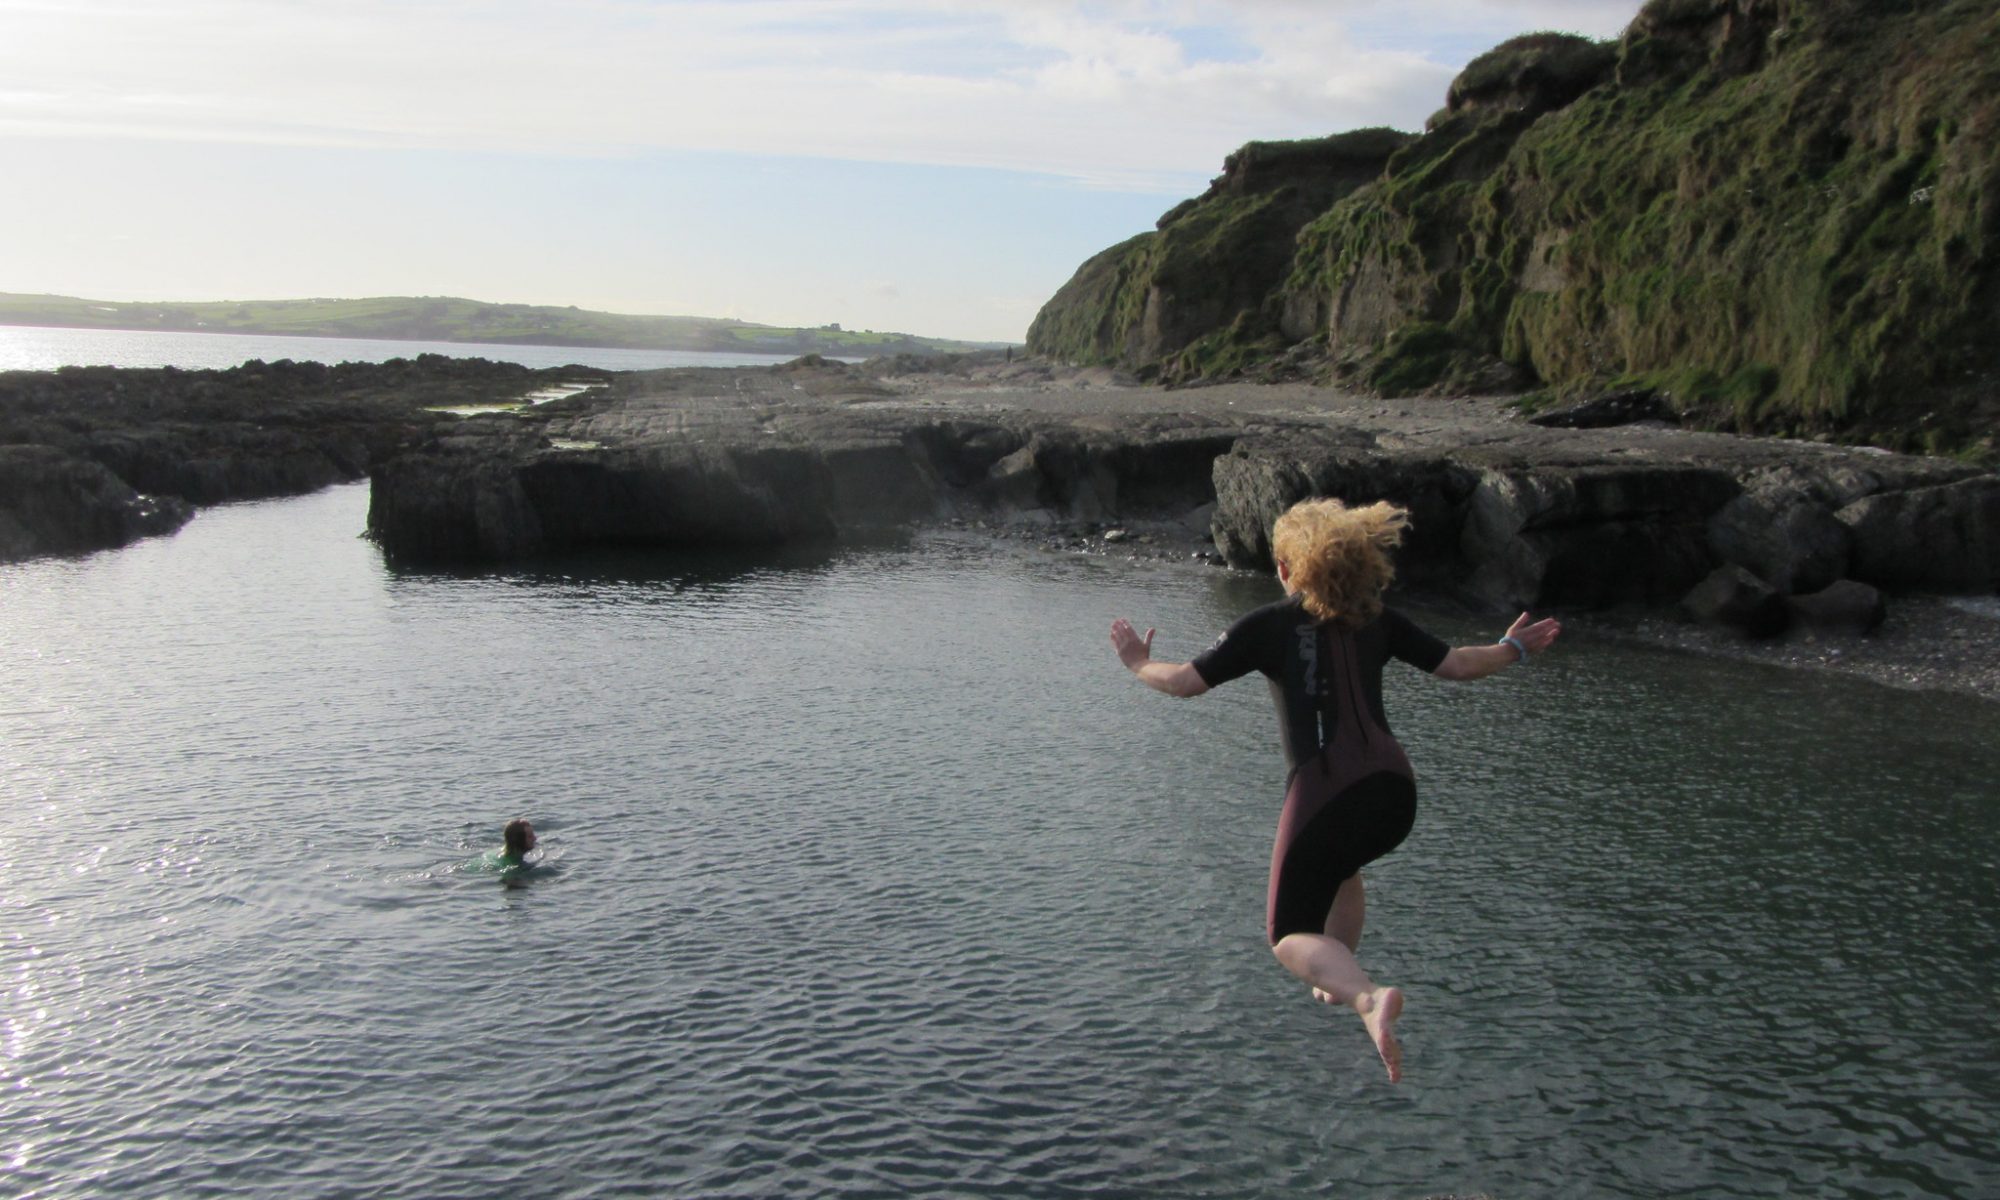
{"x":928,"y":166}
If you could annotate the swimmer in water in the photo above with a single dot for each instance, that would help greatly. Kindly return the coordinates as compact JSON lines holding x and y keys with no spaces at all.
{"x":1351,"y":796}
{"x":516,"y":841}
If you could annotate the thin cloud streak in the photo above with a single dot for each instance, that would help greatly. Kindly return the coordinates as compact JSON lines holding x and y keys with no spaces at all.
{"x":1109,"y":94}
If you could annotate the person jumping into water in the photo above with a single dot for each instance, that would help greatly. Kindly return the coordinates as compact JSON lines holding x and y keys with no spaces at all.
{"x":1351,"y":796}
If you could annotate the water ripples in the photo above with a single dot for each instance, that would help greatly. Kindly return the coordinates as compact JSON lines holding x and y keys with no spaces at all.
{"x":871,"y":874}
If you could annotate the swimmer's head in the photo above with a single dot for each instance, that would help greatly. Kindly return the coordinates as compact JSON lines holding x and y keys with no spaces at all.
{"x":519,"y":837}
{"x":1338,"y":557}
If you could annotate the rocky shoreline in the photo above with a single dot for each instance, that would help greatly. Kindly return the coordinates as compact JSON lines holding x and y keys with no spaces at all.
{"x":1701,"y":542}
{"x":1927,"y":643}
{"x":92,"y":458}
{"x":1778,"y":550}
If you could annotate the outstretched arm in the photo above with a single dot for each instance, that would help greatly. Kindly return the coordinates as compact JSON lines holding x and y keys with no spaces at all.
{"x":1477,"y":662}
{"x":1175,"y":679}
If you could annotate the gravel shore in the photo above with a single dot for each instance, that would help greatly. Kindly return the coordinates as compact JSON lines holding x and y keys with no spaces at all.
{"x":1928,"y":643}
{"x":1945,"y":644}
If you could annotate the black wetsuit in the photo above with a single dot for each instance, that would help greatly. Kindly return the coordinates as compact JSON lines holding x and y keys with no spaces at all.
{"x":1351,"y":797}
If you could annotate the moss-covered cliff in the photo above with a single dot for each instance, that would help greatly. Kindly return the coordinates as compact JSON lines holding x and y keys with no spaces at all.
{"x":1198,"y":295}
{"x":1783,"y":215}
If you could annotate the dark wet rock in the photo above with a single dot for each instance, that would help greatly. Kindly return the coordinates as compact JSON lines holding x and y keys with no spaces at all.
{"x":1266,"y":473}
{"x":1613,"y":408}
{"x":1511,"y":525}
{"x":1734,"y":597}
{"x":456,"y":502}
{"x":54,"y":502}
{"x":1592,"y":535}
{"x":1055,"y":471}
{"x":1784,"y":535}
{"x":1843,"y":607}
{"x":1797,"y":522}
{"x":1603,"y":517}
{"x":962,"y":452}
{"x":190,"y":438}
{"x":1947,"y":535}
{"x":1504,"y":514}
{"x":693,"y":459}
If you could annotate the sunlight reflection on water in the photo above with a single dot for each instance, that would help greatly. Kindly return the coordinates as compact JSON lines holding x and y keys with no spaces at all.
{"x":876,"y":875}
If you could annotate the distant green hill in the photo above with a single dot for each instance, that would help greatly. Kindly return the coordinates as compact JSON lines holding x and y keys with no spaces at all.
{"x":449,"y":319}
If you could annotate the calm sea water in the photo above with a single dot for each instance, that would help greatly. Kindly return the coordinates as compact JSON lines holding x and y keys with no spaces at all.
{"x":29,"y":348}
{"x":870,"y":873}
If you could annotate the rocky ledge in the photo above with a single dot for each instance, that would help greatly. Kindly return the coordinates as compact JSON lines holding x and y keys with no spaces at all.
{"x":759,"y":456}
{"x":1755,"y":533}
{"x":96,"y":457}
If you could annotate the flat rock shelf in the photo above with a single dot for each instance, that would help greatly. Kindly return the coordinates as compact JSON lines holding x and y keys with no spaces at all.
{"x":1507,"y":514}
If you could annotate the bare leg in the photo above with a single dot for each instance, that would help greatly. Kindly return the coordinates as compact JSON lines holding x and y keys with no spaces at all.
{"x":1336,"y":977}
{"x":1343,"y":923}
{"x":1330,"y":967}
{"x":1350,"y":907}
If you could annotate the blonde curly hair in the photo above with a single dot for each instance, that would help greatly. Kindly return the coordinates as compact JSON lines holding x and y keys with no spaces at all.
{"x":1338,"y":557}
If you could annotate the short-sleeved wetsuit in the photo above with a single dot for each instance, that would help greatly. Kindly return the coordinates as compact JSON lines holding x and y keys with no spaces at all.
{"x":1351,"y":797}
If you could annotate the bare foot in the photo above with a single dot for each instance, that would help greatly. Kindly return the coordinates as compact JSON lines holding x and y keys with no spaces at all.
{"x":1325,"y":997}
{"x":1379,"y":1010}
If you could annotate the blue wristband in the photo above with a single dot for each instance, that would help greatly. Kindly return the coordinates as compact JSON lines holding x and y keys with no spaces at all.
{"x":1519,"y":647}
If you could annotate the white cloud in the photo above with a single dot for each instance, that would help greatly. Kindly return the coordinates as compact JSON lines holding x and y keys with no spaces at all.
{"x":1145,"y":93}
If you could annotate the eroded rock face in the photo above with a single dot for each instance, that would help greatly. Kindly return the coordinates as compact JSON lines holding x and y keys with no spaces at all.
{"x":1786,"y":539}
{"x":1517,"y":529}
{"x":1264,"y":474}
{"x":1507,"y":515}
{"x":1592,"y":535}
{"x":1602,"y":517}
{"x":101,"y":436}
{"x":1776,"y":214}
{"x":1173,"y":301}
{"x":53,"y":502}
{"x":450,"y":504}
{"x":1946,"y":535}
{"x":758,"y":458}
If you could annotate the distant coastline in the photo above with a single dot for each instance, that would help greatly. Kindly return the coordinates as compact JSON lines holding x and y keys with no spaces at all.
{"x":55,"y":347}
{"x":454,"y":320}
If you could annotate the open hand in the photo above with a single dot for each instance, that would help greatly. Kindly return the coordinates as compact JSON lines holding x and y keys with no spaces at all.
{"x":1134,"y":651}
{"x":1538,"y":636}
